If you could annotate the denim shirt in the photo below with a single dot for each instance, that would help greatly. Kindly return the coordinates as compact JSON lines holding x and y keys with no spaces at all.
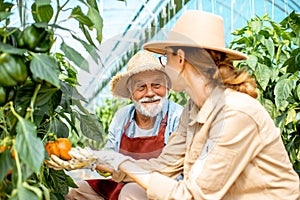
{"x":125,"y":114}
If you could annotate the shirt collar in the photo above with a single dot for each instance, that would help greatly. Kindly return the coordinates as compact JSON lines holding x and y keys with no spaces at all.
{"x":201,"y":115}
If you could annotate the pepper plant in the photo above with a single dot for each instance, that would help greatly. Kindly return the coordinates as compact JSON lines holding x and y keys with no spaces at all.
{"x":274,"y":61}
{"x":38,"y":96}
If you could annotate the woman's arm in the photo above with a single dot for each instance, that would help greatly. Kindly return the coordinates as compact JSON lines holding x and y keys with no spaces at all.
{"x":136,"y":173}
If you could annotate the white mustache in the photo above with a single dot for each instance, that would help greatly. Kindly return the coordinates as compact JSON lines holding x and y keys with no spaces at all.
{"x":149,"y":100}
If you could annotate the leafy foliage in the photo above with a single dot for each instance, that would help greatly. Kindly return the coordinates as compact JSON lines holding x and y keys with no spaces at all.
{"x":43,"y":104}
{"x":274,"y":61}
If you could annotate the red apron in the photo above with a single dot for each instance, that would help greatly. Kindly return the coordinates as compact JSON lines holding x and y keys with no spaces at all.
{"x":137,"y":148}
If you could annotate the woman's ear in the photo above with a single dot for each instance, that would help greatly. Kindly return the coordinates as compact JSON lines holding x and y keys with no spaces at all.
{"x":181,"y":55}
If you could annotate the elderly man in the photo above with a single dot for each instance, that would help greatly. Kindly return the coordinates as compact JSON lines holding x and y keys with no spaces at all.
{"x":139,"y":130}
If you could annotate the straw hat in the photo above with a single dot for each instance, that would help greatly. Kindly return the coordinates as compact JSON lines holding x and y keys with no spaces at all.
{"x":140,"y":62}
{"x":196,"y":29}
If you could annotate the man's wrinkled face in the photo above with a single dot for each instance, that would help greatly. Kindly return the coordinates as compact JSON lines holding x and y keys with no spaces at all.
{"x":148,"y":92}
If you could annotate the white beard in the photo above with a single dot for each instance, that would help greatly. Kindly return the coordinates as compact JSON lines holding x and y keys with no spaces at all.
{"x":150,"y":110}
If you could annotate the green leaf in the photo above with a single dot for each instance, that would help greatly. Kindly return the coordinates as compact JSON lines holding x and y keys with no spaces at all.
{"x":91,"y":127}
{"x":44,"y":96}
{"x":262,"y":74}
{"x":270,"y":107}
{"x":42,"y":13}
{"x":252,"y":62}
{"x":7,"y":48}
{"x":60,"y":129}
{"x":45,"y":68}
{"x":81,"y":17}
{"x":75,"y":57}
{"x":28,"y":145}
{"x":282,"y":91}
{"x":91,"y":49}
{"x":95,"y":16}
{"x":24,"y":193}
{"x":58,"y":181}
{"x":71,"y":92}
{"x":4,"y":15}
{"x":5,"y":163}
{"x":255,"y":26}
{"x":290,"y":116}
{"x":270,"y":46}
{"x":86,"y":34}
{"x":42,"y":2}
{"x":298,"y":92}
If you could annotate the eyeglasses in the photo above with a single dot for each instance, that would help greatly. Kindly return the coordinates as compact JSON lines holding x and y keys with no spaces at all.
{"x":163,"y":60}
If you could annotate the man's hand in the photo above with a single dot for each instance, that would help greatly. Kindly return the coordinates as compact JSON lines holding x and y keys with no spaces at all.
{"x":81,"y":159}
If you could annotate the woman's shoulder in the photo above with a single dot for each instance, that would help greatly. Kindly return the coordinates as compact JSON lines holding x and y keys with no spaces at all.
{"x":244,"y":103}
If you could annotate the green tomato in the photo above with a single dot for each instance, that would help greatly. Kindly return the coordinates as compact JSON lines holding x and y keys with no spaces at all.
{"x":2,"y":95}
{"x":12,"y":70}
{"x":32,"y":36}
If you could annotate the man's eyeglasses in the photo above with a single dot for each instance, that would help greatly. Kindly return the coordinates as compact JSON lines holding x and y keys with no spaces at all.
{"x":163,"y":60}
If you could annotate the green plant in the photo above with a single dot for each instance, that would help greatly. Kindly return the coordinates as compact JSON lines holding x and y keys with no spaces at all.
{"x":274,"y":61}
{"x":38,"y":93}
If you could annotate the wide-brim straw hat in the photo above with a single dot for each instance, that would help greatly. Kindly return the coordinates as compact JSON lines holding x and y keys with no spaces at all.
{"x":140,"y":62}
{"x":199,"y":29}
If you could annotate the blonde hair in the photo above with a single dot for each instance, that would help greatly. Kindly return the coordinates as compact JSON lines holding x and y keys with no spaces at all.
{"x":218,"y":67}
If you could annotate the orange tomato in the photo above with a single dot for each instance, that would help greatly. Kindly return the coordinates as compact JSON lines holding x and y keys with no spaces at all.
{"x":64,"y":147}
{"x":60,"y":148}
{"x":3,"y":148}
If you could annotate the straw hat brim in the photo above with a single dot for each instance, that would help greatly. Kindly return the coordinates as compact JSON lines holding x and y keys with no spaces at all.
{"x":119,"y":82}
{"x":159,"y":47}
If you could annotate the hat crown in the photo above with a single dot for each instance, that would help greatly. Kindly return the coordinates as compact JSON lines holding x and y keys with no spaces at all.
{"x":142,"y":58}
{"x":197,"y":29}
{"x":208,"y":29}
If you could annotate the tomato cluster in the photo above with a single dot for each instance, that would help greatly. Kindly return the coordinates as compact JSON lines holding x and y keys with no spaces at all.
{"x":60,"y":148}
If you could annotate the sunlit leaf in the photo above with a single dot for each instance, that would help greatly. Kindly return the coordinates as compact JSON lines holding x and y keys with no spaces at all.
{"x":262,"y":74}
{"x":252,"y":62}
{"x":81,"y":17}
{"x":270,"y":47}
{"x":255,"y":25}
{"x":282,"y":91}
{"x":290,"y":116}
{"x":98,"y":22}
{"x":45,"y":68}
{"x":28,"y":145}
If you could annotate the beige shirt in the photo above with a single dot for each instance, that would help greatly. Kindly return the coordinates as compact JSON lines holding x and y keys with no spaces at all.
{"x":230,"y":149}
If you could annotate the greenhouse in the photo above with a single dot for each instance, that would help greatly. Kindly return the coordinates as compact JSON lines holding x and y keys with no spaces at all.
{"x":149,"y":99}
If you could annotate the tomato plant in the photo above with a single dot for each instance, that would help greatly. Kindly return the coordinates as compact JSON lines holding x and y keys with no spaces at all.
{"x":38,"y":95}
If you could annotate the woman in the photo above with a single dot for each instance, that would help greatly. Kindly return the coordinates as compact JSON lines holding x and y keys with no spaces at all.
{"x":226,"y":145}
